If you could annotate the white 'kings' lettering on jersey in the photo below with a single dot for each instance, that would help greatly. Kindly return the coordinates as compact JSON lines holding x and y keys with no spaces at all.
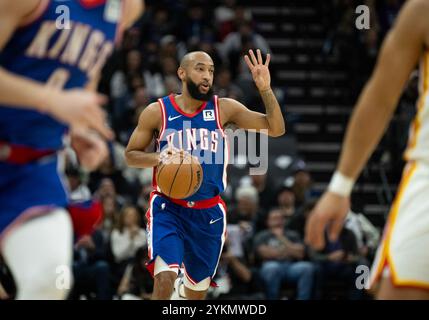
{"x":80,"y":46}
{"x":208,"y":140}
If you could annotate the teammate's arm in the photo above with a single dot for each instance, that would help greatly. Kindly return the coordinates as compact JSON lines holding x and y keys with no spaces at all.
{"x":377,"y":103}
{"x":237,"y":113}
{"x":149,"y":123}
{"x":133,"y":10}
{"x":374,"y":109}
{"x":75,"y":107}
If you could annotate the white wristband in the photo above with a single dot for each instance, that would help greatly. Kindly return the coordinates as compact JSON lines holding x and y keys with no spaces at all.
{"x":341,"y":185}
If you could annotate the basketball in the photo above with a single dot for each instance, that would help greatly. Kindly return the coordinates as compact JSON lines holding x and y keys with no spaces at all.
{"x":180,"y":176}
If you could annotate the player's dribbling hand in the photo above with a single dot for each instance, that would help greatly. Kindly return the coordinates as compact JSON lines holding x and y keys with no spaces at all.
{"x":3,"y":294}
{"x":329,"y":212}
{"x":90,"y":149}
{"x":80,"y":109}
{"x":259,"y":69}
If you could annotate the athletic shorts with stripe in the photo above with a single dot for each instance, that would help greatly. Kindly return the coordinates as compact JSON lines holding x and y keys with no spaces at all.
{"x":403,"y":254}
{"x":186,"y":237}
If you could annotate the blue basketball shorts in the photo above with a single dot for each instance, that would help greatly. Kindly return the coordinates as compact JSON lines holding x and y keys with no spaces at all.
{"x":29,"y":190}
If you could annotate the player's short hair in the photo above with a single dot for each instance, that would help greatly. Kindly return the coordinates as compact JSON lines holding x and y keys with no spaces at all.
{"x":247,"y":191}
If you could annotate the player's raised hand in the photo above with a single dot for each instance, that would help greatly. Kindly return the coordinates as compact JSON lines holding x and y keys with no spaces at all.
{"x":90,"y":149}
{"x":329,"y":212}
{"x":259,"y":69}
{"x":80,"y":109}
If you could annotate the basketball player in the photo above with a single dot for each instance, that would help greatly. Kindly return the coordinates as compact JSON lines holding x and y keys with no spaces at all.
{"x":401,"y":266}
{"x":192,"y":231}
{"x":44,"y":69}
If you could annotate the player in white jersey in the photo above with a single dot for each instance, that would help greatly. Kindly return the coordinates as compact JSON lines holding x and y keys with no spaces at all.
{"x":401,"y":267}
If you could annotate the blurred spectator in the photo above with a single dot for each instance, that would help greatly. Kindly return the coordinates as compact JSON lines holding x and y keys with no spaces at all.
{"x":266,"y":193}
{"x":137,"y":282}
{"x":302,"y":186}
{"x":158,"y":23}
{"x":208,"y":45}
{"x":108,"y":189}
{"x":298,"y":220}
{"x":7,"y":283}
{"x":171,"y":47}
{"x":367,"y":235}
{"x":79,"y":191}
{"x":281,"y":253}
{"x":144,"y":196}
{"x":172,"y":82}
{"x":130,"y":115}
{"x":197,"y":22}
{"x":235,"y":279}
{"x":236,"y":44}
{"x":387,"y":13}
{"x":128,"y":237}
{"x":247,"y":212}
{"x":224,"y":17}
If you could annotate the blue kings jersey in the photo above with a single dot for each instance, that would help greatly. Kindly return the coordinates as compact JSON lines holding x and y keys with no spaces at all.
{"x":200,"y":134}
{"x":65,"y":47}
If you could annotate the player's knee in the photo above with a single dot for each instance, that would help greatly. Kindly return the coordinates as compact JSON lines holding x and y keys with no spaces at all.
{"x":47,"y":281}
{"x":196,"y":291}
{"x":270,"y":269}
{"x":195,"y":295}
{"x":166,"y":279}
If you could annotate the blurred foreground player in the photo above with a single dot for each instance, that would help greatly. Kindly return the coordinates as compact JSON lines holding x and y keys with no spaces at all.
{"x":48,"y":67}
{"x":192,"y":231}
{"x":401,"y":266}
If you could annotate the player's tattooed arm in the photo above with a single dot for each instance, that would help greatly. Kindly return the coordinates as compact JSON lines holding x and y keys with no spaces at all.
{"x":77,"y":108}
{"x":149,"y":123}
{"x":133,"y":9}
{"x":12,"y":13}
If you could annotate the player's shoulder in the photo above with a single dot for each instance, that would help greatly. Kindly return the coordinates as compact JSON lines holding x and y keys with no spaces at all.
{"x":151,"y":115}
{"x":133,"y":9}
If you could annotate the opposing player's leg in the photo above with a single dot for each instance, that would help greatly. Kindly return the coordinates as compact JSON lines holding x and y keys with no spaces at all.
{"x":165,"y":245}
{"x":401,"y":266}
{"x":205,"y":237}
{"x":164,"y":277}
{"x":39,"y":255}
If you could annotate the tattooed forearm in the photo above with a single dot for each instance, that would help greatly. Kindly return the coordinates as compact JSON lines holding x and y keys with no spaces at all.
{"x":273,"y":111}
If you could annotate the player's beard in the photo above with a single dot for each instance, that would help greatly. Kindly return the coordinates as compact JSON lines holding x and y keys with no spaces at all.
{"x":195,"y":93}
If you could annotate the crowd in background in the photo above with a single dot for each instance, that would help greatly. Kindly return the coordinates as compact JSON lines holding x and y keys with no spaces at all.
{"x":264,"y":256}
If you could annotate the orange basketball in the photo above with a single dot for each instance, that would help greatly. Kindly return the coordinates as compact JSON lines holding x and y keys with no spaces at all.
{"x":180,"y":176}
